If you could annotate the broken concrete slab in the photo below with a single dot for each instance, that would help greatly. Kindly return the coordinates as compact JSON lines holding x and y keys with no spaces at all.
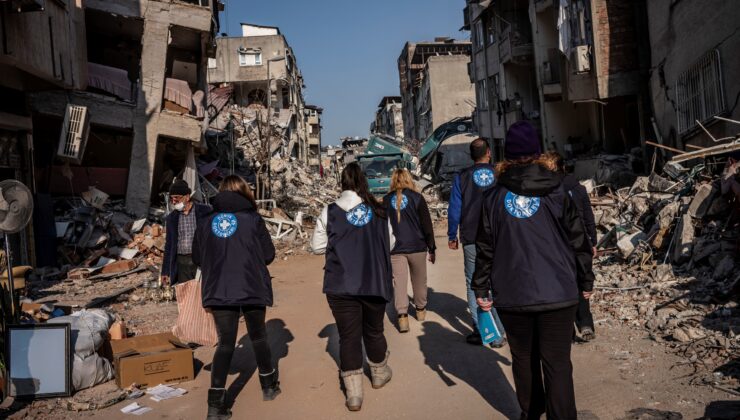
{"x":684,"y":239}
{"x":629,"y":242}
{"x":702,"y":200}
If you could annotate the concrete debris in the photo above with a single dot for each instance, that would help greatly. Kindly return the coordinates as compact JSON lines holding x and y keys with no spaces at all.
{"x":669,"y":251}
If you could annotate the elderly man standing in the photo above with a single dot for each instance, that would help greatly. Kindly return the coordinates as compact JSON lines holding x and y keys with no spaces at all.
{"x":177,"y":265}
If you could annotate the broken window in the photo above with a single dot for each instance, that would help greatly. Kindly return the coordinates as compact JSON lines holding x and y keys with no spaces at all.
{"x":482,"y":94}
{"x":185,"y":86}
{"x":489,"y":21}
{"x":113,"y":54}
{"x":478,"y":37}
{"x":250,"y":58}
{"x":699,"y":94}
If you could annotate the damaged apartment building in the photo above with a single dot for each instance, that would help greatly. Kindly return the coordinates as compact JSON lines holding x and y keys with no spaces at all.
{"x":434,"y":85}
{"x":103,"y":94}
{"x":267,"y":84}
{"x":695,"y":61}
{"x":576,"y":69}
{"x":389,"y":117}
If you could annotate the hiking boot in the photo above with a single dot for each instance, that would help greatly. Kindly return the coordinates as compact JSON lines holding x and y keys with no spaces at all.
{"x":353,"y":387}
{"x":474,"y":338}
{"x":403,"y":323}
{"x":217,"y":409}
{"x":380,"y":373}
{"x":421,"y":314}
{"x":270,"y":385}
{"x":587,"y":334}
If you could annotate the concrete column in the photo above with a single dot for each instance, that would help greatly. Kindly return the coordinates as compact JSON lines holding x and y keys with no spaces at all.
{"x":143,"y":153}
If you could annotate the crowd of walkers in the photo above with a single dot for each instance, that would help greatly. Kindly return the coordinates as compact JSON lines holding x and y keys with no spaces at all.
{"x":527,"y":235}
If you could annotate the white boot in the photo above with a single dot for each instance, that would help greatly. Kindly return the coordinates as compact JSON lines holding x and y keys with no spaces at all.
{"x":353,"y":385}
{"x":380,"y":372}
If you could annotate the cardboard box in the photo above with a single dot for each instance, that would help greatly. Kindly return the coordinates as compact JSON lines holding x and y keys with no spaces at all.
{"x":151,"y":360}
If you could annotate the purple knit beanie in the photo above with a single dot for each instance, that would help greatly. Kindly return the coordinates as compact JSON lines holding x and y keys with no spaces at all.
{"x":522,"y":141}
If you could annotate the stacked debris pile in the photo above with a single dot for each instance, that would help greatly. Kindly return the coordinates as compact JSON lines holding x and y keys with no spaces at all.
{"x":669,"y":257}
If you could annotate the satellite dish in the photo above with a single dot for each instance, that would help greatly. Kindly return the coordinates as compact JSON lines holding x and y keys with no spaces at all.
{"x":16,"y":206}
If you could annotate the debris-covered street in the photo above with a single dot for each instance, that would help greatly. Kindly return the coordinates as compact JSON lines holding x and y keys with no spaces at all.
{"x":426,"y":209}
{"x":624,"y":373}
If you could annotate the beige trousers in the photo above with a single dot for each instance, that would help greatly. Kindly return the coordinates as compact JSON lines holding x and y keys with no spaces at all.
{"x":403,"y":264}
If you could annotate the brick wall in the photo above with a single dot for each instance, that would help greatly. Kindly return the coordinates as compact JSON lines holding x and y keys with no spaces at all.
{"x":615,"y":36}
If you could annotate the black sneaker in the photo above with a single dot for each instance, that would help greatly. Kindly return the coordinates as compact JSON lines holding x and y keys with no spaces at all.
{"x":474,"y":339}
{"x":498,"y":344}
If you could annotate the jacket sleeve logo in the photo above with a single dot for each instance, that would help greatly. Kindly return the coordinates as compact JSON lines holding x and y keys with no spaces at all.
{"x":224,"y":225}
{"x":404,"y":202}
{"x":360,"y":215}
{"x":483,"y":177}
{"x":520,"y":206}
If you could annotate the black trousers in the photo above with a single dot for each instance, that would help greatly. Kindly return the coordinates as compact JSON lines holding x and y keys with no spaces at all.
{"x":359,"y":319}
{"x":186,"y":269}
{"x":227,"y":324}
{"x":583,"y":315}
{"x":540,"y":342}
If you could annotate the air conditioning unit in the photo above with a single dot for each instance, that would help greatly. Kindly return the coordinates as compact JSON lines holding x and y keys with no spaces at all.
{"x":75,"y":130}
{"x":582,"y":59}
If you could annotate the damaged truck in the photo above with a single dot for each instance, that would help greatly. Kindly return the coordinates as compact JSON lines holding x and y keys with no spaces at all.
{"x":445,"y":153}
{"x":383,"y":154}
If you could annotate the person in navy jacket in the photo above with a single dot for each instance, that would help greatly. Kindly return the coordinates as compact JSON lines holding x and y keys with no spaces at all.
{"x":357,"y":238}
{"x":414,"y":232}
{"x":464,"y":212}
{"x":533,"y":259}
{"x":233,"y":248}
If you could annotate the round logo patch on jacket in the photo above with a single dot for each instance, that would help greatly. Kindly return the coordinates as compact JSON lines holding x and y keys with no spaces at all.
{"x":520,"y":206}
{"x":404,"y":201}
{"x":224,"y":225}
{"x":483,"y":177}
{"x":360,"y":215}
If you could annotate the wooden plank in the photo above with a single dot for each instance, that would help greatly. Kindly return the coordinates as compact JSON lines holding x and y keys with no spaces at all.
{"x":709,"y":151}
{"x":672,"y":149}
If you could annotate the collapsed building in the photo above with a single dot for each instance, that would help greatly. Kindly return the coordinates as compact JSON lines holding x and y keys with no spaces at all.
{"x":389,"y":117}
{"x":434,"y":87}
{"x":104,"y":94}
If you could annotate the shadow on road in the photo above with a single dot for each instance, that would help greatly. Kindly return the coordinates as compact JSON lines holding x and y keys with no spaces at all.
{"x":331,"y":333}
{"x":452,"y":309}
{"x":244,"y":363}
{"x":447,"y":354}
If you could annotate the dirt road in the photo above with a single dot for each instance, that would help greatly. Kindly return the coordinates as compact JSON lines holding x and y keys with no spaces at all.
{"x":436,"y":374}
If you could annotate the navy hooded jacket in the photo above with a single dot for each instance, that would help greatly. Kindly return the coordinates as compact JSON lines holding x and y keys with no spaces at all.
{"x":414,"y":232}
{"x":232,"y":247}
{"x":532,"y":250}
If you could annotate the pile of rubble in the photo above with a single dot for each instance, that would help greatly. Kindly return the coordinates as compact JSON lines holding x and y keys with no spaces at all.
{"x":669,"y":256}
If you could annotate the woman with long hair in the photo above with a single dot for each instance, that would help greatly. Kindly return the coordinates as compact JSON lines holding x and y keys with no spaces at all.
{"x":533,"y":260}
{"x":233,"y":249}
{"x":414,"y":232}
{"x":356,"y":237}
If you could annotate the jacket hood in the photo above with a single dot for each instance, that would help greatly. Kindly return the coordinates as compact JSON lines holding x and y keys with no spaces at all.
{"x":531,"y":180}
{"x":570,"y":182}
{"x":348,"y":200}
{"x":231,"y":202}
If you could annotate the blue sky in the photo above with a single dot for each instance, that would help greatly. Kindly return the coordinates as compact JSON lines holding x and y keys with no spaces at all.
{"x":347,"y":49}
